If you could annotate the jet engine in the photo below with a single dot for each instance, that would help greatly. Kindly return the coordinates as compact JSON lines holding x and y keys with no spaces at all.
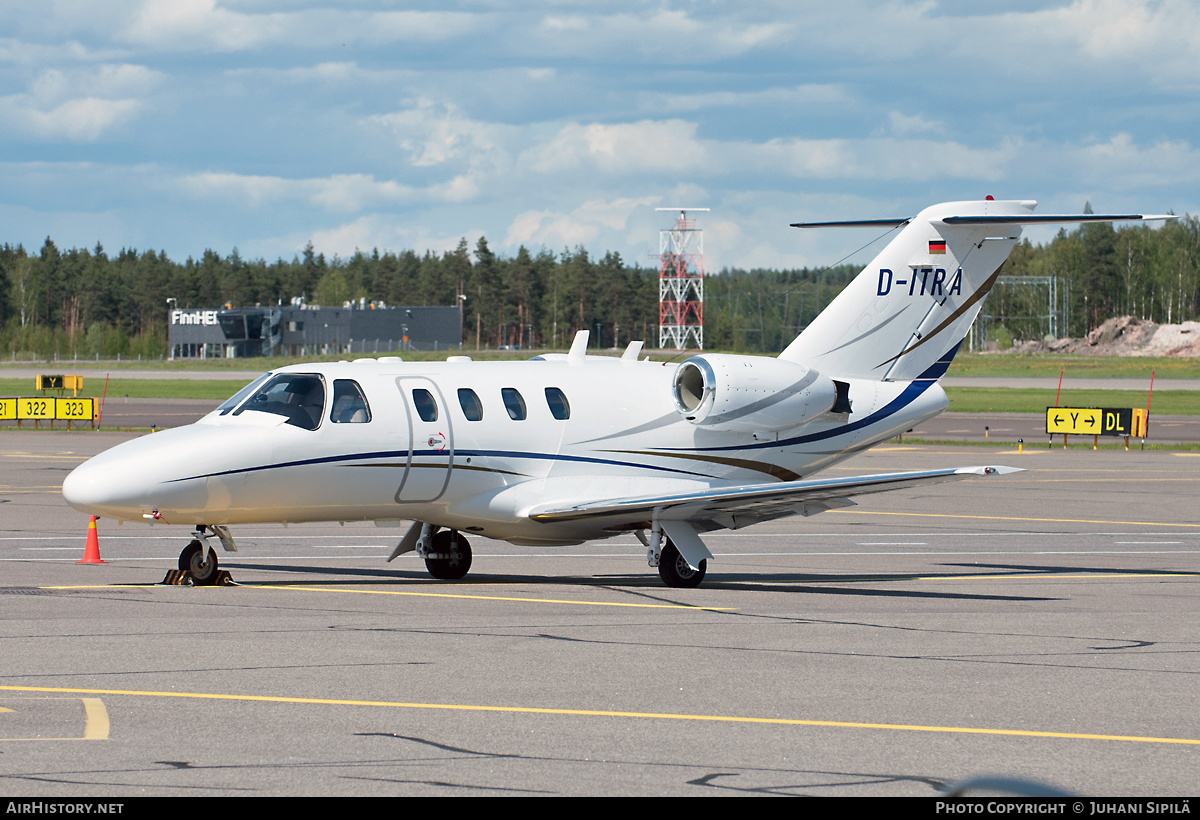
{"x":750,"y":393}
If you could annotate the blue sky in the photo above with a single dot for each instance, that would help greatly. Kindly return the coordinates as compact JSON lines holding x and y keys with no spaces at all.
{"x":183,"y":125}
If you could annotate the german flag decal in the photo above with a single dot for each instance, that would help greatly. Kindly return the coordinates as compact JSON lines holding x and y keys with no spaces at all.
{"x":937,"y":245}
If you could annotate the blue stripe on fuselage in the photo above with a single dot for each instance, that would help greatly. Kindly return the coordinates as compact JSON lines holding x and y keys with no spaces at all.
{"x":458,"y":454}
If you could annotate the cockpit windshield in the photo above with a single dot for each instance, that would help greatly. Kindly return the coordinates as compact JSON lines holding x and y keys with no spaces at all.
{"x":298,"y":397}
{"x":236,"y":399}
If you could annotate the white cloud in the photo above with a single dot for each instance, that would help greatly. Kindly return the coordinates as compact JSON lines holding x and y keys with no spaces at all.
{"x":1121,"y":163}
{"x":553,"y":229}
{"x":881,"y":159}
{"x":79,"y":105}
{"x":203,"y":25}
{"x":1143,"y":31}
{"x":665,"y":33}
{"x":439,"y":134}
{"x":197,"y":23}
{"x":78,"y":120}
{"x":370,"y":231}
{"x":525,"y":227}
{"x":782,"y":97}
{"x":338,"y":193}
{"x":665,"y":146}
{"x":902,"y":125}
{"x":22,"y":52}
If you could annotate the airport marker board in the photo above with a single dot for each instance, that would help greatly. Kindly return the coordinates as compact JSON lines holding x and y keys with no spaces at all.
{"x":1096,"y":421}
{"x":47,"y":408}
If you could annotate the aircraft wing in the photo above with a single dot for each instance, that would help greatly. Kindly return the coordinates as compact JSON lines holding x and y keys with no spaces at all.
{"x":733,"y":507}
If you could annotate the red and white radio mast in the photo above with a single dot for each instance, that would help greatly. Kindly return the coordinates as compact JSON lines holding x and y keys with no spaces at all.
{"x":681,"y":283}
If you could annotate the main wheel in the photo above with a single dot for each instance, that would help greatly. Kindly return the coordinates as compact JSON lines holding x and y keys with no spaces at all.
{"x":454,"y":567}
{"x":675,"y":571}
{"x":192,"y":560}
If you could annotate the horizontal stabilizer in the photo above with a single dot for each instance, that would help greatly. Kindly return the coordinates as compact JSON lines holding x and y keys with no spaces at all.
{"x":1052,"y":219}
{"x":1028,"y":219}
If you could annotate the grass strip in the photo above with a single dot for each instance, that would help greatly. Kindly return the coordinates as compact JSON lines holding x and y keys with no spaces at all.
{"x":214,"y":389}
{"x":1033,"y":400}
{"x":1013,"y":365}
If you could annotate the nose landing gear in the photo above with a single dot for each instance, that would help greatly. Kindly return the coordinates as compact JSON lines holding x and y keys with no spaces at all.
{"x":198,"y":561}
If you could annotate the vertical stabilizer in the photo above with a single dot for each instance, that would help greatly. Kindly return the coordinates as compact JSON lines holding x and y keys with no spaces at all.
{"x":910,"y":308}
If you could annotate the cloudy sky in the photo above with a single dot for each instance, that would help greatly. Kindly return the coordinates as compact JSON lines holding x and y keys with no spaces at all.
{"x":183,"y":125}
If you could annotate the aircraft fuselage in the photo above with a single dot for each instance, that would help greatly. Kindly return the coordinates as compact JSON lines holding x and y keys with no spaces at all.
{"x":498,"y":439}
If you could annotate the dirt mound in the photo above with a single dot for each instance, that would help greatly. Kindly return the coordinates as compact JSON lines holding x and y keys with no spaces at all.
{"x":1126,"y":336}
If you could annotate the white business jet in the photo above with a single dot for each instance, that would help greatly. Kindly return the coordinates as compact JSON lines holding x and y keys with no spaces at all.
{"x":568,"y":448}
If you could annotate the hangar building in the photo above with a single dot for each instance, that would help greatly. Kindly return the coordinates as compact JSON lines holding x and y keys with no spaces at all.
{"x":302,"y":330}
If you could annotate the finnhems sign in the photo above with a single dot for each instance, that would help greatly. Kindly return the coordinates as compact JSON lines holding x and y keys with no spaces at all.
{"x":193,"y":317}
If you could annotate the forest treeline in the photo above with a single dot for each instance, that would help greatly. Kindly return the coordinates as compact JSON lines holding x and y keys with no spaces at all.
{"x":87,"y":303}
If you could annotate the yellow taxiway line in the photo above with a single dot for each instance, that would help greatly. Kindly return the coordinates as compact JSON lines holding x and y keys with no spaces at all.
{"x":286,"y":587}
{"x":837,"y":724}
{"x":95,"y":721}
{"x":492,"y":598}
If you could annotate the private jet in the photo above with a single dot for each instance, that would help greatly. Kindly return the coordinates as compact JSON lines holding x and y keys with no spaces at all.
{"x":567,"y":448}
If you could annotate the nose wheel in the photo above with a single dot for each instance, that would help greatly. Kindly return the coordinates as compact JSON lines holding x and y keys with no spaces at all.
{"x":192,"y":560}
{"x":449,"y":559}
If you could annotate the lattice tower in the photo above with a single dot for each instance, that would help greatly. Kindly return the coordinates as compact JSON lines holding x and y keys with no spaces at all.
{"x":681,"y":283}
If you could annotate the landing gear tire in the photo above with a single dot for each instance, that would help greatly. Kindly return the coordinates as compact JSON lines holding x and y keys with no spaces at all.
{"x":675,"y":571}
{"x":192,"y":560}
{"x":457,"y":564}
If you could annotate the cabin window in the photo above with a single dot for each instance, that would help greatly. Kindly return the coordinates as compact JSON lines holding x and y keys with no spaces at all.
{"x":236,"y":399}
{"x":469,"y":402}
{"x":298,"y":397}
{"x":513,"y":403}
{"x":560,"y":408}
{"x":349,"y":404}
{"x":424,"y":402}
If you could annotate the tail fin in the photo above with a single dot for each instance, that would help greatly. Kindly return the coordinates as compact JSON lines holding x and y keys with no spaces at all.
{"x":906,"y":313}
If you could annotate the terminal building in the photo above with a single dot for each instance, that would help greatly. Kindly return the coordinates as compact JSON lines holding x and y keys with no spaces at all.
{"x":304,"y":330}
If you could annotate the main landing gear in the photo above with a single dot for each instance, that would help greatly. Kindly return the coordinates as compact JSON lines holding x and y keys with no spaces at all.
{"x":449,"y":557}
{"x":446,"y":553}
{"x":674,"y":570}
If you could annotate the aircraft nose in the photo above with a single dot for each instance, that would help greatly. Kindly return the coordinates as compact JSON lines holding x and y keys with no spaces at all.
{"x":165,"y":471}
{"x":119,"y":482}
{"x":91,"y":487}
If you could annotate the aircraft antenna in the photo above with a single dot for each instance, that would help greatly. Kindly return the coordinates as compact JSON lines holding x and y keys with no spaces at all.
{"x":681,"y":283}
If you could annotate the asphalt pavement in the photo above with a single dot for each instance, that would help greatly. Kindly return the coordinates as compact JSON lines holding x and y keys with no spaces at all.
{"x":1034,"y":626}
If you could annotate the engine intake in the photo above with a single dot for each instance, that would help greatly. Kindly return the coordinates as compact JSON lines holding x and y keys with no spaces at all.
{"x":750,"y":393}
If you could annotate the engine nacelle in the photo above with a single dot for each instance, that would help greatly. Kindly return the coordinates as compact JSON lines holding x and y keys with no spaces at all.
{"x":750,"y":393}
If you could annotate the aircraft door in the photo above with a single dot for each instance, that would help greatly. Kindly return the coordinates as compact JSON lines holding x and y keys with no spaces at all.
{"x":430,"y":442}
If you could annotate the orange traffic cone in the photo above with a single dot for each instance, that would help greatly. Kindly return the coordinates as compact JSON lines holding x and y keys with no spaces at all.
{"x":91,"y":551}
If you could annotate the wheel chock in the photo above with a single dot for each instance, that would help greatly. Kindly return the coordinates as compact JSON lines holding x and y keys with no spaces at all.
{"x":184,"y":578}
